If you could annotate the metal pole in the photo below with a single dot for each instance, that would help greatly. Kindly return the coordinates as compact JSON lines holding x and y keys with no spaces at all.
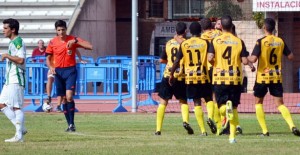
{"x":134,"y":45}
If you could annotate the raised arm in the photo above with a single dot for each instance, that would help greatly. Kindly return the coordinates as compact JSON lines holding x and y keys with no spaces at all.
{"x":85,"y":44}
{"x":80,"y":43}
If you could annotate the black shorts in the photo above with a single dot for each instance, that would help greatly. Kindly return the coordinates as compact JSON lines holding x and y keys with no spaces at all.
{"x":228,"y":92}
{"x":178,"y":89}
{"x":65,"y":79}
{"x":210,"y":73}
{"x":260,"y":90}
{"x":198,"y":91}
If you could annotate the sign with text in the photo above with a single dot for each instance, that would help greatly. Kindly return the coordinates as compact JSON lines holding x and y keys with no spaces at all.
{"x":276,"y":5}
{"x":167,"y":29}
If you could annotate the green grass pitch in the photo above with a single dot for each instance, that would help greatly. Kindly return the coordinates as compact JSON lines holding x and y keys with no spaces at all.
{"x":127,"y":133}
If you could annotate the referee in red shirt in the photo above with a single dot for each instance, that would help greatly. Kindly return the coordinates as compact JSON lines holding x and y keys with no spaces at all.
{"x":63,"y":49}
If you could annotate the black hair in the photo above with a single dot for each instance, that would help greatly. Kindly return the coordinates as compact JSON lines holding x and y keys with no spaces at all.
{"x":269,"y":24}
{"x":180,"y":28}
{"x":206,"y":24}
{"x":226,"y":22}
{"x":195,"y":28}
{"x":13,"y":24}
{"x":60,"y":23}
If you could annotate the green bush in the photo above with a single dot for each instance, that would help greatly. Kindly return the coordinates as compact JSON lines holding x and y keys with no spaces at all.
{"x":218,"y":8}
{"x":259,"y":19}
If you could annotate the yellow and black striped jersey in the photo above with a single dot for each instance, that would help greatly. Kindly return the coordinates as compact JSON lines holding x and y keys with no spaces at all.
{"x":228,"y":50}
{"x":216,"y":33}
{"x":172,"y":48}
{"x":269,"y":50}
{"x":209,"y":36}
{"x":194,"y":53}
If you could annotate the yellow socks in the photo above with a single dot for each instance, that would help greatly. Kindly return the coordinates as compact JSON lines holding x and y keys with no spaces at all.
{"x":160,"y":116}
{"x":260,"y":115}
{"x":286,"y":115}
{"x":237,"y":119}
{"x":185,"y":112}
{"x":210,"y":109}
{"x":216,"y":112}
{"x":233,"y":124}
{"x":217,"y":118}
{"x":199,"y":117}
{"x":223,"y":111}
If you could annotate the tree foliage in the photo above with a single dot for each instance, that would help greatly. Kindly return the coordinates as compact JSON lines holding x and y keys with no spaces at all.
{"x":219,"y":8}
{"x":259,"y":19}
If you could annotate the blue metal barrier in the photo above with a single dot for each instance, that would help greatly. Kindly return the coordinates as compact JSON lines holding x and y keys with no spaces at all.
{"x":144,"y":66}
{"x":112,"y":72}
{"x":37,"y":59}
{"x":110,"y":75}
{"x":126,"y":65}
{"x":2,"y":74}
{"x":161,"y":72}
{"x":89,"y":59}
{"x":80,"y":72}
{"x":146,"y":82}
{"x":35,"y":85}
{"x":142,"y":60}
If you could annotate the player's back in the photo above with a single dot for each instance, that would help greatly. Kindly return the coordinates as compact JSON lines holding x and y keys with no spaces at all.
{"x":269,"y":61}
{"x":194,"y":51}
{"x":216,"y":33}
{"x":227,"y":68}
{"x":208,"y":35}
{"x":172,"y":48}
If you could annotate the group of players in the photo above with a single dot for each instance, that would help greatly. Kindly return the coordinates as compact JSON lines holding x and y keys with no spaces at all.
{"x":186,"y":75}
{"x":208,"y":66}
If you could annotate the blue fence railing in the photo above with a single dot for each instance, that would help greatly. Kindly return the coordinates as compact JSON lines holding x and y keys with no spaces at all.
{"x":108,"y":78}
